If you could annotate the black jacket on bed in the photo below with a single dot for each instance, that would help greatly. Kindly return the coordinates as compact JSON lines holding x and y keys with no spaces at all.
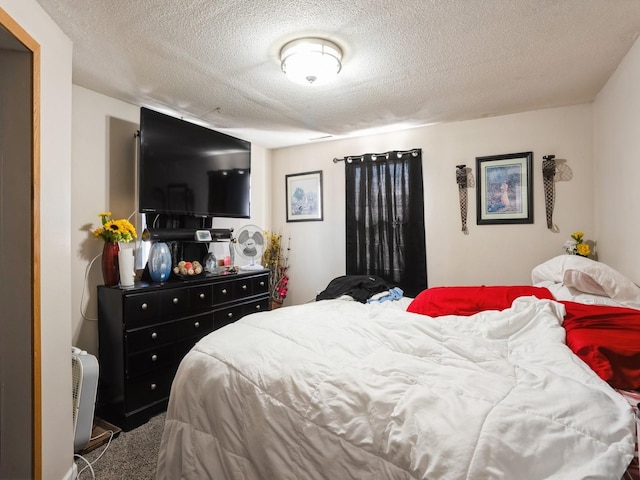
{"x":360,"y":287}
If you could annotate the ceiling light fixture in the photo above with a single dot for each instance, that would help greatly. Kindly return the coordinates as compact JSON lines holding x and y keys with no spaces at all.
{"x":310,"y":61}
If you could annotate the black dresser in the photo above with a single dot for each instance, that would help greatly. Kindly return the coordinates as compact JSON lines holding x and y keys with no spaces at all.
{"x":145,"y":330}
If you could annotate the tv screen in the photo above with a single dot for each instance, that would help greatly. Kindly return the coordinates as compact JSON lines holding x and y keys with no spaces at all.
{"x":187,"y":169}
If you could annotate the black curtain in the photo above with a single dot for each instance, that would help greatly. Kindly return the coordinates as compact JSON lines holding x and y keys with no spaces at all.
{"x":385,"y":218}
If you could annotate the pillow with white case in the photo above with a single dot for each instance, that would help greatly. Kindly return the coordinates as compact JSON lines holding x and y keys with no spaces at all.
{"x":569,"y":294}
{"x":588,"y":276}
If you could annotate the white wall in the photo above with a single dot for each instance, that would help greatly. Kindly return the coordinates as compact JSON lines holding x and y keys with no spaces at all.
{"x":617,"y":166}
{"x":103,"y":178}
{"x":490,"y":254}
{"x":92,"y":154}
{"x":55,"y":227}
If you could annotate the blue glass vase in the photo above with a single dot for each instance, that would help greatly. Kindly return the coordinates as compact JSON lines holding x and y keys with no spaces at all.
{"x":159,"y":262}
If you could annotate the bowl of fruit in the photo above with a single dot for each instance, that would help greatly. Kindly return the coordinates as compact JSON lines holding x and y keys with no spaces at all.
{"x":187,"y":269}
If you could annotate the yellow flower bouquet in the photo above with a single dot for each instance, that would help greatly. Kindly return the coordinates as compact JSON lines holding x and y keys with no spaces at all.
{"x":115,"y":230}
{"x":577,"y":246}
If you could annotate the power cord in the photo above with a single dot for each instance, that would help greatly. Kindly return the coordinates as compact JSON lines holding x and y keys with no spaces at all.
{"x":84,"y":288}
{"x":90,"y":464}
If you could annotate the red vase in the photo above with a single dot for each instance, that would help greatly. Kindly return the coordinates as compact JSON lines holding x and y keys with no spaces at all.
{"x":110,"y":270}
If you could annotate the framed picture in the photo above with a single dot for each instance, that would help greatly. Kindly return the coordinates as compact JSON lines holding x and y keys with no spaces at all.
{"x":304,"y":197}
{"x":504,"y":189}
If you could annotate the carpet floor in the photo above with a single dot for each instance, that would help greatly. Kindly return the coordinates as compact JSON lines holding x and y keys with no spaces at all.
{"x":131,"y":456}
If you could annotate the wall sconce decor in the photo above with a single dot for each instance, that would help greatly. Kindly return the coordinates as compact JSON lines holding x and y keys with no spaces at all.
{"x":548,"y":176}
{"x":461,"y":180}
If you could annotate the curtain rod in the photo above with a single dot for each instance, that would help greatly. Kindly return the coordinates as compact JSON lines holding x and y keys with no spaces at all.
{"x":374,"y":156}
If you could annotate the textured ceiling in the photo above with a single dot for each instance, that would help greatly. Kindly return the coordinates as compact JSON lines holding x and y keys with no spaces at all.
{"x":406,"y":62}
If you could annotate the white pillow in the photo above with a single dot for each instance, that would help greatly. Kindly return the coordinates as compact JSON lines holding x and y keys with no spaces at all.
{"x":583,"y":282}
{"x":588,"y":276}
{"x":562,"y":292}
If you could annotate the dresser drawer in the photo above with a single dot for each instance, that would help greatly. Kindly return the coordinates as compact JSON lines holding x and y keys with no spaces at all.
{"x":256,"y":306}
{"x":174,"y":303}
{"x":260,"y":284}
{"x":223,"y":292}
{"x":201,"y":298}
{"x":243,"y":287}
{"x":148,"y":360}
{"x":148,"y":337}
{"x":194,"y":327}
{"x":142,"y":308}
{"x":226,"y":316}
{"x":147,"y":389}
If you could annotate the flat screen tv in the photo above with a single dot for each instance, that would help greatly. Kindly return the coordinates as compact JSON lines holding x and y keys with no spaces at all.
{"x":190,"y":170}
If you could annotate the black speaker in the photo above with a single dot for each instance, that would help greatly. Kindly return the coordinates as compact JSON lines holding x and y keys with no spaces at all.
{"x":184,"y":234}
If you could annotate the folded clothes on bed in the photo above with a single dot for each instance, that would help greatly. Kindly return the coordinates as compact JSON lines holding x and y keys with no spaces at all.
{"x":394,"y":294}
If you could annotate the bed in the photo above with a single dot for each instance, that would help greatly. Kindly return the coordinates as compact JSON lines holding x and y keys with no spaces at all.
{"x":459,"y":382}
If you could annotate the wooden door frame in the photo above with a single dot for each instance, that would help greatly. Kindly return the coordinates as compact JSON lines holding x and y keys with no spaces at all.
{"x":36,"y":374}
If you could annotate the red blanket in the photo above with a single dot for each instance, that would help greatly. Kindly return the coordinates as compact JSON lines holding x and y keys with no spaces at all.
{"x":607,"y":339}
{"x":469,"y":300}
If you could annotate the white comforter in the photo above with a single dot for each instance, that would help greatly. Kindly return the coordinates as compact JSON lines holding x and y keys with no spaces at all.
{"x":340,"y":390}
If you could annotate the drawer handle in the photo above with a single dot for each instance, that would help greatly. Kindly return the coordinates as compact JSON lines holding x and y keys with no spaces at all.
{"x":224,"y":291}
{"x":197,"y":324}
{"x":262,"y":284}
{"x":153,"y":386}
{"x":244,"y":287}
{"x":202,"y":296}
{"x":154,"y":358}
{"x":144,"y":306}
{"x":230,"y":314}
{"x":154,"y":335}
{"x":175,"y":300}
{"x":258,"y":307}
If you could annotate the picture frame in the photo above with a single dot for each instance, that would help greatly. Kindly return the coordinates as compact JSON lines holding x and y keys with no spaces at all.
{"x":504,"y":189}
{"x":304,"y":196}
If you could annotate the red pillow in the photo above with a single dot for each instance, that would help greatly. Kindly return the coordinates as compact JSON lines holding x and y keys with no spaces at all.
{"x":438,"y":301}
{"x":607,"y":339}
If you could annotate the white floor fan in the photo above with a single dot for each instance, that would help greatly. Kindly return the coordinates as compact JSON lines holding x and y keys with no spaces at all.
{"x":250,"y":244}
